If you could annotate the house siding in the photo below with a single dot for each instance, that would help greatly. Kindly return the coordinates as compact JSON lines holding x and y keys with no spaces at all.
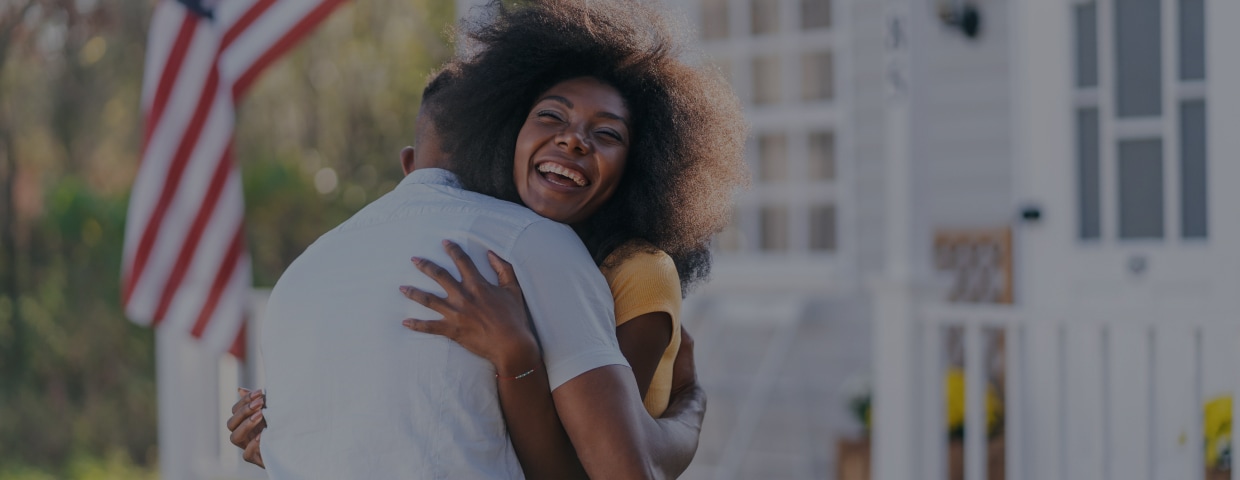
{"x":963,"y":116}
{"x":869,"y":130}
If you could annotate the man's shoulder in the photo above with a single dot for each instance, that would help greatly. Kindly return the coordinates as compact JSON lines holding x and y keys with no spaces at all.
{"x":420,"y":200}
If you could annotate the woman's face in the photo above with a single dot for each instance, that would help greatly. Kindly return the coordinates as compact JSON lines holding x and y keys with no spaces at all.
{"x":572,"y":149}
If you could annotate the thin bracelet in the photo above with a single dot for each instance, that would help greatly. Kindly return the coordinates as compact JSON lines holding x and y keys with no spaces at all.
{"x":518,"y":377}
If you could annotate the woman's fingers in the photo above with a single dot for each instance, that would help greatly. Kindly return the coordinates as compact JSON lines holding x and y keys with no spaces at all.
{"x":252,"y":452}
{"x":428,"y":300}
{"x":438,"y":274}
{"x":243,"y":395}
{"x":464,"y":264}
{"x":247,"y":409}
{"x":433,"y":327}
{"x":248,"y":430}
{"x":503,"y":269}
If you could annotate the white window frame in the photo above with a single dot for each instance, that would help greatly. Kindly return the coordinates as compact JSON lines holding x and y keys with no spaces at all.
{"x":1112,"y":130}
{"x":796,"y":119}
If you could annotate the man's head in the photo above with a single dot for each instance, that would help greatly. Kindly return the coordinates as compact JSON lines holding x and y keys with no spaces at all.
{"x":428,"y":149}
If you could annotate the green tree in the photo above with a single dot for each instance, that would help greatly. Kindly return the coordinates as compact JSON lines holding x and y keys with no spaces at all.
{"x":77,"y":388}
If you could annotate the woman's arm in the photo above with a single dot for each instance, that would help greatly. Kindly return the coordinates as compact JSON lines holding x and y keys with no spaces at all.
{"x":491,"y":321}
{"x":643,"y":341}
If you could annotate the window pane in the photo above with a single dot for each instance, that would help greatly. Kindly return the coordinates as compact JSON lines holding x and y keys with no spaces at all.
{"x":1087,"y":45}
{"x":765,"y":80}
{"x":821,"y":164}
{"x":774,"y":220}
{"x":1087,"y":174}
{"x":764,"y":16}
{"x":1192,"y":39}
{"x":816,"y":76}
{"x":815,"y":14}
{"x":1193,"y":203}
{"x":773,"y":157}
{"x":714,"y":19}
{"x":1140,"y":189}
{"x":822,"y":228}
{"x":1138,"y":58}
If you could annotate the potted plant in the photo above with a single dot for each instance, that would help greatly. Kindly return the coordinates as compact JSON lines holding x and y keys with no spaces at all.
{"x":1216,"y":426}
{"x":853,"y":454}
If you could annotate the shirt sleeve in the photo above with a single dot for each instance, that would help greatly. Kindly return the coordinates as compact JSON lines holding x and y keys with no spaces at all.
{"x":644,"y":283}
{"x":569,"y":302}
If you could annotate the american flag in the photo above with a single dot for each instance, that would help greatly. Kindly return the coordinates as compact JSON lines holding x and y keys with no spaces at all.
{"x":185,"y":263}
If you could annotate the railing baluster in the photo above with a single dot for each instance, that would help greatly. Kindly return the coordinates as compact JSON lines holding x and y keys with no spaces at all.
{"x":1014,"y":413}
{"x":933,"y":435}
{"x":975,"y":404}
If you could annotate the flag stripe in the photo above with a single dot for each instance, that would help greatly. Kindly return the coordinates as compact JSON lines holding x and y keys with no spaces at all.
{"x":166,"y":24}
{"x":231,"y":308}
{"x":245,"y":50}
{"x":189,"y":299}
{"x":169,"y":76}
{"x":303,"y":27}
{"x":153,"y":169}
{"x":217,"y":133}
{"x":222,"y":168}
{"x":237,"y":349}
{"x":243,"y":23}
{"x":221,"y":280}
{"x":173,"y":180}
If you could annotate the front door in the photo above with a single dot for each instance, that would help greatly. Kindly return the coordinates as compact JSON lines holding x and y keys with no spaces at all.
{"x":1127,"y":144}
{"x":1128,"y":152}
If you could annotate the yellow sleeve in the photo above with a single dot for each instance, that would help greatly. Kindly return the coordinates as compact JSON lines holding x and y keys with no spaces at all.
{"x":647,"y":282}
{"x":644,"y":283}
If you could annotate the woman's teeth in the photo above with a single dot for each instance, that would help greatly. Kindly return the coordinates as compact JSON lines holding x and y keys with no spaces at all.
{"x":567,"y":173}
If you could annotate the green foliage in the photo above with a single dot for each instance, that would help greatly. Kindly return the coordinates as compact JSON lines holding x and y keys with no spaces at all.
{"x":77,"y":380}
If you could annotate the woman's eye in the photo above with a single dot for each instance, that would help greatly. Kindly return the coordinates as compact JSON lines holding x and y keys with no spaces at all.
{"x":611,"y":134}
{"x":550,"y":114}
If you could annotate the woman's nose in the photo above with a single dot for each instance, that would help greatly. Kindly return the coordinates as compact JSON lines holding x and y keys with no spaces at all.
{"x":573,"y":139}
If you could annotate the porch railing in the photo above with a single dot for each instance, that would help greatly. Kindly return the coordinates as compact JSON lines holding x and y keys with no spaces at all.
{"x":1089,"y":395}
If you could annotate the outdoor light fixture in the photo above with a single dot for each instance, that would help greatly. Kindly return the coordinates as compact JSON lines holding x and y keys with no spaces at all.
{"x":961,"y":14}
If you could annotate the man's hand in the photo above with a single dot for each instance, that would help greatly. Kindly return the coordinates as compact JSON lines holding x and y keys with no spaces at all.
{"x":247,"y":424}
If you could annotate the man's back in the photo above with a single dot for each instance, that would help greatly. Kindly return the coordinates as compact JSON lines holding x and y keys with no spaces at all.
{"x":353,"y":394}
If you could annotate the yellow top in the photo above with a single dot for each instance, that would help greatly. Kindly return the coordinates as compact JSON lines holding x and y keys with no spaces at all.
{"x":646,"y":282}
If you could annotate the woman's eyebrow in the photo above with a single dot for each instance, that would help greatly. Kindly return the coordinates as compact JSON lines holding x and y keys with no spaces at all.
{"x":558,"y":98}
{"x":618,"y":118}
{"x":568,"y":103}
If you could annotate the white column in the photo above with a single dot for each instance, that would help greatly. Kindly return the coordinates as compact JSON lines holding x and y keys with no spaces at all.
{"x":187,"y":380}
{"x":894,"y":423}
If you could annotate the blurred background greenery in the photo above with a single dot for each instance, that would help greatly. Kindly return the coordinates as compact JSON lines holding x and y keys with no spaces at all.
{"x":317,"y":138}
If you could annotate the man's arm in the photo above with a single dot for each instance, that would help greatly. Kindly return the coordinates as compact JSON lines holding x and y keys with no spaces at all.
{"x":611,"y":431}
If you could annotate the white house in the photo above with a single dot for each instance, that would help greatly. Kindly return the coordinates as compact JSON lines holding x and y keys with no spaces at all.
{"x":1093,"y":134}
{"x":1097,"y":134}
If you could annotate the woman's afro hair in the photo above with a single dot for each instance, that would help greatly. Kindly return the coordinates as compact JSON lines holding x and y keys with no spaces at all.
{"x":686,"y":155}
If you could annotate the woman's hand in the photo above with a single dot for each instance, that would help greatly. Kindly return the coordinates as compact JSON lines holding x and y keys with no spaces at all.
{"x":247,"y":424}
{"x":489,"y":320}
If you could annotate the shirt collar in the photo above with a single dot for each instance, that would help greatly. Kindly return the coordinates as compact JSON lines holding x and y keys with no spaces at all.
{"x":432,"y":176}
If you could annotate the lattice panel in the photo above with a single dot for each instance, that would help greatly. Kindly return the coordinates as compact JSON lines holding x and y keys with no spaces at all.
{"x":979,"y":262}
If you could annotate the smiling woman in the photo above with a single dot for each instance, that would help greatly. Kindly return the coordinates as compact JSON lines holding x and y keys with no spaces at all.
{"x":571,"y":151}
{"x":682,"y":125}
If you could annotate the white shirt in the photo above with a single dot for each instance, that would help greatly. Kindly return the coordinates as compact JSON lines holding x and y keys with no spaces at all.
{"x":351,"y":393}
